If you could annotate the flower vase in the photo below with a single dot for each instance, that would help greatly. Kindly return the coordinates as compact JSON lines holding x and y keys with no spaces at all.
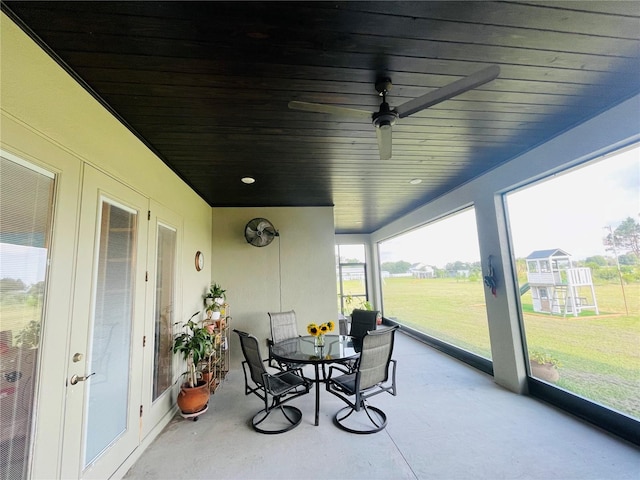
{"x":319,"y":341}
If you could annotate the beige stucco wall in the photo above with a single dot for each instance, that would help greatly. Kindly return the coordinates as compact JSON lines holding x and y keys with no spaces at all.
{"x":296,"y":271}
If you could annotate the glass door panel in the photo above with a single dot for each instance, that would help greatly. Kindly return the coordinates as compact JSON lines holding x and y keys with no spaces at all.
{"x":164,"y":309}
{"x":26,"y":200}
{"x":109,"y":354}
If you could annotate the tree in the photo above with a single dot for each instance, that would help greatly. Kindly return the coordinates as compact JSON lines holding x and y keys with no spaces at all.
{"x":628,"y":259}
{"x":457,"y":265}
{"x":396,"y":267}
{"x":12,"y":285}
{"x":350,"y":260}
{"x":598,"y":260}
{"x":625,"y":238}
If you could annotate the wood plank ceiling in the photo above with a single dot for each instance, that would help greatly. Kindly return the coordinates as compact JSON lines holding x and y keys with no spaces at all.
{"x":206,"y":85}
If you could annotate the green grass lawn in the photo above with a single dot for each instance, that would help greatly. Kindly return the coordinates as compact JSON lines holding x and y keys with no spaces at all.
{"x":15,"y":317}
{"x":599,"y":354}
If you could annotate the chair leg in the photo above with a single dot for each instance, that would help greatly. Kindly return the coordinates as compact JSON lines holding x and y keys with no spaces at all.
{"x":294,"y":420}
{"x":376,"y":417}
{"x":292,"y":415}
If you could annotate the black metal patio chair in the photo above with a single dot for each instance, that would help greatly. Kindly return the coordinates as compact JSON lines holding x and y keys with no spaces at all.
{"x":284,"y":325}
{"x":362,"y":321}
{"x":371,"y":377}
{"x":274,"y":389}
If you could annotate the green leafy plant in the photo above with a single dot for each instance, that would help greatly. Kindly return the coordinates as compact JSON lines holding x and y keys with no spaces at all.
{"x":29,"y":336}
{"x":356,"y":302}
{"x":543,"y":358}
{"x":194,"y":343}
{"x":216,"y":291}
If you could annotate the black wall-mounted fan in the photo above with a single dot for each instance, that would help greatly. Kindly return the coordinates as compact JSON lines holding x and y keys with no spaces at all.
{"x":260,"y":232}
{"x":386,"y":117}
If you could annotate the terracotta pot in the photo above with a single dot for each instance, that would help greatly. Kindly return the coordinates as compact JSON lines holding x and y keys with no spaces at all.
{"x":206,"y":377}
{"x":192,"y":400}
{"x":546,"y":371}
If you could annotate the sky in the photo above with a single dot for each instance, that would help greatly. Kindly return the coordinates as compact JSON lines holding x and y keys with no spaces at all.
{"x":569,"y":211}
{"x":577,"y":207}
{"x":437,"y":244}
{"x":25,"y":263}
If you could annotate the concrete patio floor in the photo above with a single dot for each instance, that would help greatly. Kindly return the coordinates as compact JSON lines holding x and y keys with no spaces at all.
{"x":449,"y":421}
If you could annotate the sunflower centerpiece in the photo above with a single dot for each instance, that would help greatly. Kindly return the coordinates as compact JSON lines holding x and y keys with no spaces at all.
{"x":319,"y":331}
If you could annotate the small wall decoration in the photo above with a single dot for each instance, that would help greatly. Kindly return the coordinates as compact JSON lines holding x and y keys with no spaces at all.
{"x":490,"y":279}
{"x":199,"y":260}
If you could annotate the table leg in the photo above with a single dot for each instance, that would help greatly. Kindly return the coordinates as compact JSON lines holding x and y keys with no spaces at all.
{"x":317,"y":367}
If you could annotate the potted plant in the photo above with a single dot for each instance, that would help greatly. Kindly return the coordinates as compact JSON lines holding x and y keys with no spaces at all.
{"x":213,"y":311}
{"x":214,"y":300}
{"x":365,"y":305}
{"x":217,"y":292}
{"x":544,"y":366}
{"x":194,"y":344}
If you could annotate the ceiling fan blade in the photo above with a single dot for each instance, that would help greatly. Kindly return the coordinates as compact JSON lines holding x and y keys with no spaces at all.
{"x":456,"y":88}
{"x":330,"y":109}
{"x":384,"y":141}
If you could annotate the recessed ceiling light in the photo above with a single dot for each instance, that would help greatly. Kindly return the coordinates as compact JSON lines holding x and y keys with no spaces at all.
{"x":248,"y":180}
{"x":415,"y":181}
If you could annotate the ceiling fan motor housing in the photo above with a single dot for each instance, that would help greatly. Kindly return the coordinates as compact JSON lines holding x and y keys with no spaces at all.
{"x":385,"y":117}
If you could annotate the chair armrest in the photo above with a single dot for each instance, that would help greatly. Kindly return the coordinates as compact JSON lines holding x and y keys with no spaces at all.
{"x":393,"y":376}
{"x":342,"y":370}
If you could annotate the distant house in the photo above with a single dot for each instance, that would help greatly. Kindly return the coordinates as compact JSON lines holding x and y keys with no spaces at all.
{"x":557,"y":286}
{"x":420,"y":270}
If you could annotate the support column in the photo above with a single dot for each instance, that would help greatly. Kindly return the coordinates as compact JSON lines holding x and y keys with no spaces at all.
{"x":507,"y":351}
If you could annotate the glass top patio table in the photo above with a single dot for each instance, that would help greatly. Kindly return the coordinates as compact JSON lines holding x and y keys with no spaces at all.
{"x":337,"y":348}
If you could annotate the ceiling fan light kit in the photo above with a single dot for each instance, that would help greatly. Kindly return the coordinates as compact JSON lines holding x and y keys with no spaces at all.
{"x":386,"y":117}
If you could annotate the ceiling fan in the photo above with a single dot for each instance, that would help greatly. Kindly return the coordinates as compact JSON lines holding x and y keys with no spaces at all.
{"x":386,"y":117}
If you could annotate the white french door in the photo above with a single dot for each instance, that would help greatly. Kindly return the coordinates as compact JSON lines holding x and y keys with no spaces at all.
{"x":104,"y":381}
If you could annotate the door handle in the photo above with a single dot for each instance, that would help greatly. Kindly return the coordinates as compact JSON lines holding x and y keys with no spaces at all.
{"x":77,"y":378}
